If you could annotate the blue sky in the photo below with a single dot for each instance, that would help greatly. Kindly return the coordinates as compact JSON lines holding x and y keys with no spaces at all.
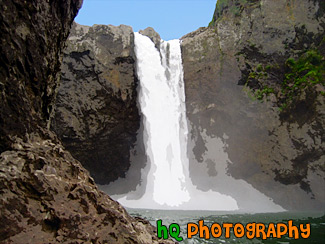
{"x":170,"y":18}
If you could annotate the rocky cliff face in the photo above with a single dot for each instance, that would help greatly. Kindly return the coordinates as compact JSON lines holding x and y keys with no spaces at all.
{"x":242,"y":57}
{"x":46,"y":195}
{"x":96,"y":114}
{"x":153,"y":35}
{"x":31,"y":40}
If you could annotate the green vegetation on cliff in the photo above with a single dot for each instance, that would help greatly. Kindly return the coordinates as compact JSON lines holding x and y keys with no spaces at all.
{"x":305,"y":72}
{"x":274,"y":51}
{"x":235,"y":7}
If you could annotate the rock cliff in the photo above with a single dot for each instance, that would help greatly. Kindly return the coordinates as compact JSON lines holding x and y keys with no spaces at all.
{"x":96,"y":114}
{"x":153,"y":35}
{"x":32,"y":37}
{"x":237,"y":76}
{"x":46,"y":195}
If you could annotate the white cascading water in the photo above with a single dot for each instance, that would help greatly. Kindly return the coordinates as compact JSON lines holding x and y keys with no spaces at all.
{"x":162,"y":102}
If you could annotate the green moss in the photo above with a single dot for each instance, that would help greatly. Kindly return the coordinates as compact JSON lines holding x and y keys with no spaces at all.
{"x":259,"y":67}
{"x":259,"y":94}
{"x":235,"y":10}
{"x":252,"y":75}
{"x":234,"y":7}
{"x":303,"y":73}
{"x":221,"y":4}
{"x":258,"y":74}
{"x":251,"y":44}
{"x":212,"y":22}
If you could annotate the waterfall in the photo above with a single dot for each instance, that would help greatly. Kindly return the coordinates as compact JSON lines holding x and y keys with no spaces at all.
{"x":165,"y":180}
{"x":162,"y":103}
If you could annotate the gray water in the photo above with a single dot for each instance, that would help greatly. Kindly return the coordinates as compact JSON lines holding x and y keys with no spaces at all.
{"x":316,"y":220}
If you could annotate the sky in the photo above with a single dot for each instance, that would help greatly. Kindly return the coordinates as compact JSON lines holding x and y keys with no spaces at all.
{"x":170,"y":18}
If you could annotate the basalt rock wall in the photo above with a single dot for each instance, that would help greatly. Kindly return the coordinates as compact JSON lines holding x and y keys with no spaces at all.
{"x":32,"y":38}
{"x":96,"y":114}
{"x":228,"y":69}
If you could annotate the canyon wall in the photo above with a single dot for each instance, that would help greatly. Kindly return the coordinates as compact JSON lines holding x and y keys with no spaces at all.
{"x":229,"y":66}
{"x":32,"y":38}
{"x":97,"y":117}
{"x":96,"y":114}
